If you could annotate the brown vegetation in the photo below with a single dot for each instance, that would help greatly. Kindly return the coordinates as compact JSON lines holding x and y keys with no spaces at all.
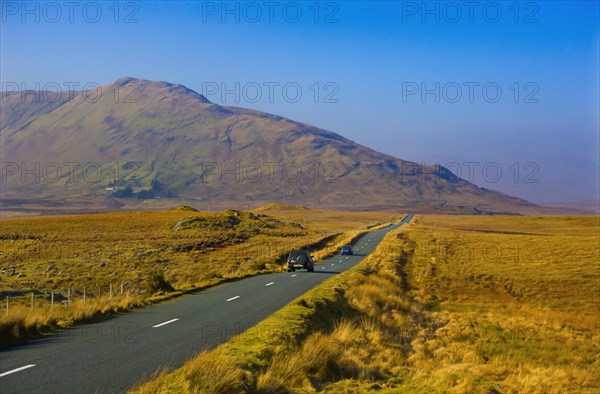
{"x":140,"y":257}
{"x":443,"y":305}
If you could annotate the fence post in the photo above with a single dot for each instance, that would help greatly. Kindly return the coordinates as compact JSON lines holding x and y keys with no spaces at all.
{"x":110,"y":290}
{"x":31,"y":300}
{"x":7,"y":303}
{"x":51,"y":300}
{"x":83,"y":293}
{"x":121,"y":288}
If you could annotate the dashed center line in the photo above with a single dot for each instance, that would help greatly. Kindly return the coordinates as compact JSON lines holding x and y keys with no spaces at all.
{"x":323,"y":268}
{"x":165,"y":323}
{"x":232,"y":298}
{"x":269,"y":284}
{"x":332,"y":264}
{"x":16,"y":370}
{"x":292,"y":276}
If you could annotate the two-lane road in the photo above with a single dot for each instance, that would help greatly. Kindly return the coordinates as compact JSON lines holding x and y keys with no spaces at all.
{"x":115,"y":354}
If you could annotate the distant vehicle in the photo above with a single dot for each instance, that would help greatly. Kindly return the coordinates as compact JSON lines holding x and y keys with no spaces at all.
{"x":347,"y":250}
{"x":300,"y":259}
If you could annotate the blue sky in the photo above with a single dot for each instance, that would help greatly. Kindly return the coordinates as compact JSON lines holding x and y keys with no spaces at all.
{"x":513,"y":87}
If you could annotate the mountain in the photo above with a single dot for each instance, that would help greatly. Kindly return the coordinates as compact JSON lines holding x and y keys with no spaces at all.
{"x":138,"y":139}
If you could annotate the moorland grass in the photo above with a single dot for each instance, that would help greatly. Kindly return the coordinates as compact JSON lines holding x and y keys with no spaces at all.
{"x":84,"y":257}
{"x":444,"y":304}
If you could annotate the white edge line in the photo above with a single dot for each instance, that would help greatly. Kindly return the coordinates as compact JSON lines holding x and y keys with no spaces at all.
{"x":16,"y":370}
{"x":293,"y":275}
{"x":165,"y":323}
{"x":232,"y":298}
{"x":269,"y":284}
{"x":323,"y":268}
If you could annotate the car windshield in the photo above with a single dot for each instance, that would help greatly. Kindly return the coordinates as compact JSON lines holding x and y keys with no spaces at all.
{"x":296,"y":253}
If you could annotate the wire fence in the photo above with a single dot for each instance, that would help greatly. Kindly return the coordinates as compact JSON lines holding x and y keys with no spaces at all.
{"x":64,"y":298}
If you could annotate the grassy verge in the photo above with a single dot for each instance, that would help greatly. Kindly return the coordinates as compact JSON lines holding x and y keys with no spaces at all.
{"x":431,"y":310}
{"x":95,"y":266}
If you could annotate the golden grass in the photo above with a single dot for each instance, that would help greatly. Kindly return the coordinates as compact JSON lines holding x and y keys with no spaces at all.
{"x":513,"y":309}
{"x":22,"y":321}
{"x":91,"y":253}
{"x":423,"y":315}
{"x":342,"y":220}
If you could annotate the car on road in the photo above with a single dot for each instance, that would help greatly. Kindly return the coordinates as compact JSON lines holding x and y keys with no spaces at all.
{"x":300,"y":259}
{"x":347,"y":250}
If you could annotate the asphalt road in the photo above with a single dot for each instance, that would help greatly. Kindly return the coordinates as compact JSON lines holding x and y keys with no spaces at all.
{"x":115,"y":354}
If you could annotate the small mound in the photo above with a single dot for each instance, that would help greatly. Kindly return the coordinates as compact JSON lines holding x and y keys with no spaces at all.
{"x":184,"y":208}
{"x":282,"y":207}
{"x":240,"y":222}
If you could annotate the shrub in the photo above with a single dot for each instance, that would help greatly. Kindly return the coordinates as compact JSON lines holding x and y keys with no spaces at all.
{"x":155,"y":282}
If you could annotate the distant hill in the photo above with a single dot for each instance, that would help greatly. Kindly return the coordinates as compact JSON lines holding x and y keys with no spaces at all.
{"x":157,"y":139}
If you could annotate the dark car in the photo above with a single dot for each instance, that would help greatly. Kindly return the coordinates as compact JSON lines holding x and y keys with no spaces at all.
{"x":347,"y":250}
{"x":300,"y":259}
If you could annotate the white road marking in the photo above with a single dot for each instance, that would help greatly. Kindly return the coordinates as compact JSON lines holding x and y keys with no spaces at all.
{"x":347,"y":258}
{"x":232,"y":298}
{"x":323,"y":268}
{"x":16,"y":370}
{"x":292,"y":276}
{"x":269,"y":284}
{"x":339,"y":261}
{"x":332,"y":264}
{"x":165,"y":323}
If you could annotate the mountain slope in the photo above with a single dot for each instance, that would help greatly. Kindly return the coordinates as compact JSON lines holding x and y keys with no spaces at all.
{"x":161,"y":139}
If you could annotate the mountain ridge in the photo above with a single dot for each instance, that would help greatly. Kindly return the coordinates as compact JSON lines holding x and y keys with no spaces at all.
{"x":164,"y":139}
